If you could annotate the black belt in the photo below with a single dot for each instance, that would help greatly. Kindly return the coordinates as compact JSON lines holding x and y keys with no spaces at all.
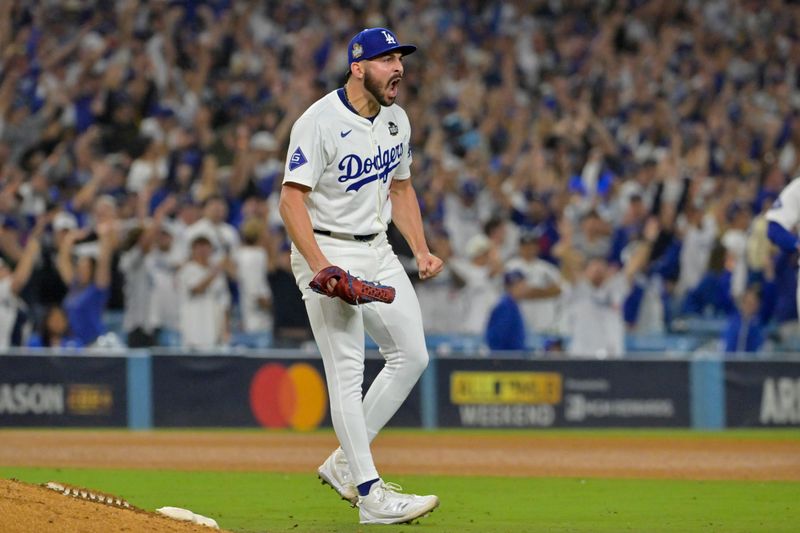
{"x":360,"y":238}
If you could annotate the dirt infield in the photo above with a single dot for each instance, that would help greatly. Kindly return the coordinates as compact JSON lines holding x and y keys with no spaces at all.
{"x":534,"y":454}
{"x":26,"y":508}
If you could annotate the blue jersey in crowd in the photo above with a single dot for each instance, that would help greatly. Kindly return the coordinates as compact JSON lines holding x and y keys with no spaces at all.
{"x":84,"y":307}
{"x":506,"y":329}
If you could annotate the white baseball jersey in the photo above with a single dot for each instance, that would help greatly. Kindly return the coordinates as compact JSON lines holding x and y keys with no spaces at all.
{"x":786,"y":209}
{"x":786,"y":212}
{"x":8,"y":311}
{"x":542,"y":314}
{"x":202,"y":316}
{"x":349,"y":163}
{"x":596,"y":323}
{"x":251,"y":273}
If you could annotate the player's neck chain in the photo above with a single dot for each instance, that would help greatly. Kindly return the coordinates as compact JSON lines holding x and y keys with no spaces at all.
{"x":354,"y":108}
{"x":347,"y":97}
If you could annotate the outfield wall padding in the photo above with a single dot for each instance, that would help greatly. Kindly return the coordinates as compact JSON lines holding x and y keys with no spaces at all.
{"x":63,"y":390}
{"x":563,"y":393}
{"x":284,"y":389}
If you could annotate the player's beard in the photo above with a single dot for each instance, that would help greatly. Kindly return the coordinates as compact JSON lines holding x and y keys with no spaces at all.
{"x":378,"y":92}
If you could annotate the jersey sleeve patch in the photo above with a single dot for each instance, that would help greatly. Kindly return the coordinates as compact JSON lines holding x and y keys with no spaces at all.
{"x":297,"y":160}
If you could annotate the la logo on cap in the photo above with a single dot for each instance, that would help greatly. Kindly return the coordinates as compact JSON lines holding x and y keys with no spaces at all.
{"x":389,"y":37}
{"x":358,"y":50}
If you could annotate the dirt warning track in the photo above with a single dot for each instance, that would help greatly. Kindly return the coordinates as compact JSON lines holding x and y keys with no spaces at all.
{"x":536,"y":454}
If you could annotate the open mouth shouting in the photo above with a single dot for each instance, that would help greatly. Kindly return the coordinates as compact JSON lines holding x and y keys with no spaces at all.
{"x":391,"y":90}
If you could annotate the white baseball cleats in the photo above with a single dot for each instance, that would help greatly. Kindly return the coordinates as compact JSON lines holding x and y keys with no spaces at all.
{"x":385,"y":504}
{"x":335,"y":471}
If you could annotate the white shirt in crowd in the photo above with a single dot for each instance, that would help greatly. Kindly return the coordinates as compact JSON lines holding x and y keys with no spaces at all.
{"x":461,"y":221}
{"x":224,"y":237}
{"x":597,"y":327}
{"x":143,"y":171}
{"x":203,"y":315}
{"x":479,"y":295}
{"x":8,"y":311}
{"x":441,"y":303}
{"x":786,"y":209}
{"x":251,"y":270}
{"x":542,"y":315}
{"x":695,"y":252}
{"x":137,"y":290}
{"x":162,"y":268}
{"x":735,"y":243}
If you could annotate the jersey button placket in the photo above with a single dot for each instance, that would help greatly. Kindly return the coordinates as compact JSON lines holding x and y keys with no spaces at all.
{"x":374,"y":147}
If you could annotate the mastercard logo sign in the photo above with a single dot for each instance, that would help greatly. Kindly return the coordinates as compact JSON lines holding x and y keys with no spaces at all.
{"x":288,"y":397}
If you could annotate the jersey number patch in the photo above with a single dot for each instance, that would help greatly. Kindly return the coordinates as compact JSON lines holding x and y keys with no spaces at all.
{"x":298,"y":159}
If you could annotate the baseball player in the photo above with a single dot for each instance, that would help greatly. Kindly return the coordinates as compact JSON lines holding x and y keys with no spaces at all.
{"x":347,"y":175}
{"x":783,"y":218}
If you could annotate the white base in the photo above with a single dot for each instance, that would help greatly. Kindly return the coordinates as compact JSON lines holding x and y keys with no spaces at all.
{"x":186,"y":515}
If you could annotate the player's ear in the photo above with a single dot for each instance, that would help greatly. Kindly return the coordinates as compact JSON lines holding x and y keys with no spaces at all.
{"x":357,"y":70}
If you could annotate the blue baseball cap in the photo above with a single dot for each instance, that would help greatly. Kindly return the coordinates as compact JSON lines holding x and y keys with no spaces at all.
{"x":373,"y":42}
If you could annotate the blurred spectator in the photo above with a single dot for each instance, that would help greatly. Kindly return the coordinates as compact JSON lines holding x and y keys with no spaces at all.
{"x":162,"y":266}
{"x":699,"y":232}
{"x":461,"y":215}
{"x":783,"y":220}
{"x":506,"y":327}
{"x":734,"y":239}
{"x":645,"y":106}
{"x":54,"y":331}
{"x":88,"y":277}
{"x":628,"y":229}
{"x":46,"y":288}
{"x":760,"y":252}
{"x":150,"y":167}
{"x":13,"y":281}
{"x":714,"y":294}
{"x":203,"y":297}
{"x":135,"y":265}
{"x":744,"y":332}
{"x":540,"y":301}
{"x":291,"y":328}
{"x":596,"y":295}
{"x":257,"y":169}
{"x":223,"y":237}
{"x":592,"y":239}
{"x":440,"y":298}
{"x":504,"y":236}
{"x":187,"y":215}
{"x":479,"y":272}
{"x":255,"y":299}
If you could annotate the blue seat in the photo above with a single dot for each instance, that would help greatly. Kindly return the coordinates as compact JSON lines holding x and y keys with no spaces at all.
{"x":257,"y":340}
{"x":700,"y":325}
{"x":169,"y":338}
{"x":680,"y":344}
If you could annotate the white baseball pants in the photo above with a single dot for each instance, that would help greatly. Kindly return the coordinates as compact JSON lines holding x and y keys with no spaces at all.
{"x":339,"y":331}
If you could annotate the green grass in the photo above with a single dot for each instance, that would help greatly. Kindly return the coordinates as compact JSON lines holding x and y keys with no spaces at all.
{"x":268,"y":502}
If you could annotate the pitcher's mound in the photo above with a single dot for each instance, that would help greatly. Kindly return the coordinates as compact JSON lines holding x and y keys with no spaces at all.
{"x":26,"y":508}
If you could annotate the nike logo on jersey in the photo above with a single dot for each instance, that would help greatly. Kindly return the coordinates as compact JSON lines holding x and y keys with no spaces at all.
{"x":384,"y":162}
{"x":298,"y":159}
{"x":345,"y":133}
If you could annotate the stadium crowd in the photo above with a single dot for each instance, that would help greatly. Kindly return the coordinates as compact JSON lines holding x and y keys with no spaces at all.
{"x":587,"y":169}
